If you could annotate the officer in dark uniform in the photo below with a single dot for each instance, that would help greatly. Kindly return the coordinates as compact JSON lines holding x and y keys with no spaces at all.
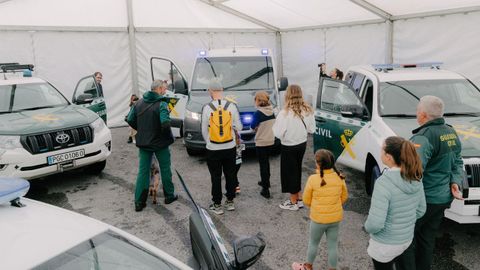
{"x":150,"y":117}
{"x":439,"y":149}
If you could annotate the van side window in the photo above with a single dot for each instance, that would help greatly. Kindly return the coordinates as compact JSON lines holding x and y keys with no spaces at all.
{"x":357,"y":82}
{"x":368,"y":95}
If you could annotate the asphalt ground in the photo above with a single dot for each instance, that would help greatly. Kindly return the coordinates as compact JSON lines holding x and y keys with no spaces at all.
{"x":109,"y":197}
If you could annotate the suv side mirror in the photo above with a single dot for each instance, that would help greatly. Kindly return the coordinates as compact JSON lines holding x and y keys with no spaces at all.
{"x":283,"y":83}
{"x":180,"y":87}
{"x":84,"y":99}
{"x":247,"y":251}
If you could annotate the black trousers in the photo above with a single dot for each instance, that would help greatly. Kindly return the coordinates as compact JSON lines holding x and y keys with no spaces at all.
{"x":383,"y":266}
{"x":218,"y":161}
{"x":419,"y":254}
{"x":291,"y":158}
{"x":263,"y":155}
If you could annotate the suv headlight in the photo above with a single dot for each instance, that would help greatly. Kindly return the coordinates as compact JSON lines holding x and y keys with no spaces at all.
{"x":98,"y":125}
{"x":9,"y":143}
{"x":193,"y":115}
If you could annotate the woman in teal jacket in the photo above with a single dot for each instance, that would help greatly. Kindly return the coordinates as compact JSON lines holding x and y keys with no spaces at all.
{"x":398,"y":200}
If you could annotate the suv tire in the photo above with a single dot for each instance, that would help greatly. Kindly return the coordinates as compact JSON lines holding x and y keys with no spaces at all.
{"x":374,"y":173}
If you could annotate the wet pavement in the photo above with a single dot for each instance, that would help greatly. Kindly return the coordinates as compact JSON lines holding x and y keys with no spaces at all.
{"x":109,"y":197}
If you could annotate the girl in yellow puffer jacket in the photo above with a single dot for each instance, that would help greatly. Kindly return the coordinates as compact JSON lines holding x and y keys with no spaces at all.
{"x":325,"y":193}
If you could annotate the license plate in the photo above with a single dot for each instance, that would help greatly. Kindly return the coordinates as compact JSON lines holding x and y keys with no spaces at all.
{"x":65,"y":156}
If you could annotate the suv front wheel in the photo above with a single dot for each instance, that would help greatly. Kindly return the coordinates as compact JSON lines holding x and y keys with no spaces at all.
{"x":371,"y":176}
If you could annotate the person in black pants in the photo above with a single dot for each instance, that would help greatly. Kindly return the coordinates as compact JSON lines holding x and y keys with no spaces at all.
{"x":262,"y":123}
{"x":220,"y":119}
{"x":292,"y":126}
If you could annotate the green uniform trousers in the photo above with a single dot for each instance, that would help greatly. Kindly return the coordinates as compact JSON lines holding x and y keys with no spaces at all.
{"x":418,"y":256}
{"x":143,"y":177}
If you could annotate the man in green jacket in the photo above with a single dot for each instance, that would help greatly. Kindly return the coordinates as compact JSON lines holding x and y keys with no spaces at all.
{"x":439,"y":149}
{"x":150,"y":117}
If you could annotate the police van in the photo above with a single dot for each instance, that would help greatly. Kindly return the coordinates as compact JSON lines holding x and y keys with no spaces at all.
{"x":42,"y":133}
{"x":242,"y":70}
{"x":353,"y":118}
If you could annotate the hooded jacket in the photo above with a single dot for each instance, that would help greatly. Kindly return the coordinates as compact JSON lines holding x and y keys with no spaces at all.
{"x":395,"y":207}
{"x":151,"y":118}
{"x":326,"y":201}
{"x":263,"y":121}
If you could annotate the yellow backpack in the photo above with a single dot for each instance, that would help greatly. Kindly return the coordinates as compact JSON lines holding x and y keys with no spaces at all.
{"x":220,"y":124}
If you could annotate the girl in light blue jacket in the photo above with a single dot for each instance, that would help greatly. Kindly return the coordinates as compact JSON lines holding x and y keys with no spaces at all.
{"x":398,"y":200}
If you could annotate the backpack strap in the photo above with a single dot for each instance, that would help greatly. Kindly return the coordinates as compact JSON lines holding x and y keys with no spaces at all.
{"x":212,"y":106}
{"x":226,"y":105}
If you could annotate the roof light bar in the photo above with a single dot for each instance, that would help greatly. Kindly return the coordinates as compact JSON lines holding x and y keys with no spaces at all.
{"x":16,"y":67}
{"x":386,"y":67}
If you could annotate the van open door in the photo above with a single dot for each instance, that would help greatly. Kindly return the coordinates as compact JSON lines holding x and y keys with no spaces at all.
{"x":165,"y":69}
{"x":89,"y":95}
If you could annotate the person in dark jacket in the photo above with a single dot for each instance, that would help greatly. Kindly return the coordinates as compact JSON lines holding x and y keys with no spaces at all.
{"x":98,"y":79}
{"x":439,"y":149}
{"x":150,"y":117}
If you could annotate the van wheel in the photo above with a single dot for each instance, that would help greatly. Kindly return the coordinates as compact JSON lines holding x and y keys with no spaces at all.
{"x":374,"y":174}
{"x":97,"y":168}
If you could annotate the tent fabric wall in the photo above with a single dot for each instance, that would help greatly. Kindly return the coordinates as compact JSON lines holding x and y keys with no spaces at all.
{"x":338,"y":47}
{"x":451,"y":39}
{"x":63,"y":58}
{"x":182,"y":48}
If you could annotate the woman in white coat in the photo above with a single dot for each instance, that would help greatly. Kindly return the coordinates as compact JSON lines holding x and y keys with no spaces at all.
{"x":292,"y":126}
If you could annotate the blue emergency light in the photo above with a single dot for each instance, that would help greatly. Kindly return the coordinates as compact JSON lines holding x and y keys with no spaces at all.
{"x":11,"y":189}
{"x":246,"y":119}
{"x":386,"y":67}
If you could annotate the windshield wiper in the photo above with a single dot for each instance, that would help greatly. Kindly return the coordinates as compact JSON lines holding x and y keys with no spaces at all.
{"x":5,"y":112}
{"x":404,"y":89}
{"x":398,"y":115}
{"x":462,"y":114}
{"x":38,"y":108}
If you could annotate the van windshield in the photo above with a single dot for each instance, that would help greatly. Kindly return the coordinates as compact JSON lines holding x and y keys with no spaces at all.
{"x":235,"y":73}
{"x":401,"y":98}
{"x":31,"y":96}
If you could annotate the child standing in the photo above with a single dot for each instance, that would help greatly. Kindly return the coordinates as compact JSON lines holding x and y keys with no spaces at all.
{"x":262,"y":123}
{"x":325,"y":193}
{"x":132,"y":132}
{"x":398,"y":200}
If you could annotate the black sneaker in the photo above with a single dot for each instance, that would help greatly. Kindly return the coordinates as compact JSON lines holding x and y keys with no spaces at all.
{"x":139,"y":206}
{"x":260,"y":183}
{"x":170,"y":200}
{"x":130,"y":140}
{"x":265,"y":193}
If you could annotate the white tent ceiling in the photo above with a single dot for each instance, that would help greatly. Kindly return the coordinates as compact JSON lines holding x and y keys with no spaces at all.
{"x":219,"y":14}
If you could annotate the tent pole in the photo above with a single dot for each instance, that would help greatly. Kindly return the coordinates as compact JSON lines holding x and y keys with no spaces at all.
{"x":388,"y":42}
{"x":279,"y":54}
{"x":133,"y":48}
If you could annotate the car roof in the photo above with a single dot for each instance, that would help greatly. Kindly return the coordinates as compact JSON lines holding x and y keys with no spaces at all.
{"x":19,"y":80}
{"x":38,"y":232}
{"x":408,"y":74}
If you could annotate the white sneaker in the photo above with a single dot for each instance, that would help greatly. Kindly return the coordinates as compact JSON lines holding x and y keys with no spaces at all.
{"x":288,"y":205}
{"x":229,"y":205}
{"x":300,"y":204}
{"x":216,"y":208}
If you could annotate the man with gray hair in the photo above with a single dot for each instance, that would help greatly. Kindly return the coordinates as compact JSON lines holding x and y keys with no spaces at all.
{"x":151,"y":118}
{"x":220,"y":121}
{"x":439,"y":149}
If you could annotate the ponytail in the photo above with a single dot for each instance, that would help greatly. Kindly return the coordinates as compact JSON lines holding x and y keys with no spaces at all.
{"x":405,"y":156}
{"x":325,"y":161}
{"x":411,"y":165}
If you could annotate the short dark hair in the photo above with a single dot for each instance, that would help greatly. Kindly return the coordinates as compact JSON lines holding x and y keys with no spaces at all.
{"x":96,"y":73}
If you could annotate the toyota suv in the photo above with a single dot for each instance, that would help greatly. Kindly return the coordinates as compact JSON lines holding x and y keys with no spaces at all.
{"x":354,"y":117}
{"x":42,"y":133}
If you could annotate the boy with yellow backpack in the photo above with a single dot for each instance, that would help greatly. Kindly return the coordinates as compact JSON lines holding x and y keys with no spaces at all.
{"x":220,"y":119}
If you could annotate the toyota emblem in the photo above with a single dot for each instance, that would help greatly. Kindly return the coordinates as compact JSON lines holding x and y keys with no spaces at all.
{"x":62,"y":138}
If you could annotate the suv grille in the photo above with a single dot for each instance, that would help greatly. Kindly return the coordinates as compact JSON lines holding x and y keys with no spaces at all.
{"x":473,"y":174}
{"x":60,"y":139}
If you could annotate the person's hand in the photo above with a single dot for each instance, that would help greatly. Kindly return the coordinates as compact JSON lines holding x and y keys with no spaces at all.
{"x":456,"y":192}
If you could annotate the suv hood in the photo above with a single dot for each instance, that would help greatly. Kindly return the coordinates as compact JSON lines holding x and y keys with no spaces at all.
{"x":243,"y":98}
{"x":468,"y":130}
{"x":42,"y":120}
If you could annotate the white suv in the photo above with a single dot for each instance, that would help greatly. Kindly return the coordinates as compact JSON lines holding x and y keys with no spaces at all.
{"x":42,"y":133}
{"x":354,"y":117}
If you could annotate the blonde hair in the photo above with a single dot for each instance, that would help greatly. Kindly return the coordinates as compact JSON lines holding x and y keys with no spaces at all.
{"x":262,"y":98}
{"x":294,"y":101}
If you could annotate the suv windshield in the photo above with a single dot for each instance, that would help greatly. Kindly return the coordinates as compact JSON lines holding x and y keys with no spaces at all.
{"x":20,"y":97}
{"x":236,"y":73}
{"x":401,"y":98}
